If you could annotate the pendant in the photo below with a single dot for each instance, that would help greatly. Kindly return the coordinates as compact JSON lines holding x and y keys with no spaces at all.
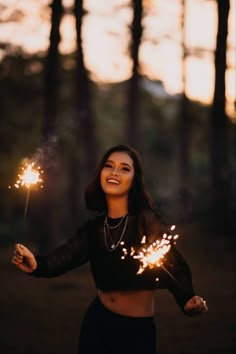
{"x":112,"y":246}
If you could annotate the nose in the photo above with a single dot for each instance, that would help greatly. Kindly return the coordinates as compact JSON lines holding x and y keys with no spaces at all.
{"x":115,"y":171}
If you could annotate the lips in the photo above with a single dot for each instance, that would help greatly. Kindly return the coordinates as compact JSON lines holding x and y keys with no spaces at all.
{"x":112,"y":181}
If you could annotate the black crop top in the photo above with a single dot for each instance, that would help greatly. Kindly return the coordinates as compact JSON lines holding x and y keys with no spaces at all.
{"x":109,"y":270}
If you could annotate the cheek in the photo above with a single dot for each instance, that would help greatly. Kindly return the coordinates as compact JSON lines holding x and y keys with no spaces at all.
{"x":129,"y":181}
{"x":102,"y":177}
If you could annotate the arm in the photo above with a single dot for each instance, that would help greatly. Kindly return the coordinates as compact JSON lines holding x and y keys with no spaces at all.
{"x":178,"y":277}
{"x":64,"y":258}
{"x":175,"y":274}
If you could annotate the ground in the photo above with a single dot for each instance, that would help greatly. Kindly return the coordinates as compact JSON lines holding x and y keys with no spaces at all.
{"x":43,"y":316}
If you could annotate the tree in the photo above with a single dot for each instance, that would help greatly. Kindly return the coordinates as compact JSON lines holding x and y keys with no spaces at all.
{"x":184,"y":118}
{"x":133,"y":85}
{"x":85,"y":122}
{"x":83,"y":161}
{"x":51,"y":88}
{"x":51,"y":72}
{"x":220,"y":169}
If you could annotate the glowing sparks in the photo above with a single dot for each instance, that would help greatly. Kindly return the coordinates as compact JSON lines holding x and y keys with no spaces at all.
{"x":30,"y":176}
{"x":151,"y":255}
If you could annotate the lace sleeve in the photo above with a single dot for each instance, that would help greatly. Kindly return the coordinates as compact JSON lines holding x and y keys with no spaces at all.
{"x":70,"y":255}
{"x":175,"y":275}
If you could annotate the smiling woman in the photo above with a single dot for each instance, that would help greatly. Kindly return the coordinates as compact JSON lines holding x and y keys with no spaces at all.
{"x":117,"y":176}
{"x":124,"y":304}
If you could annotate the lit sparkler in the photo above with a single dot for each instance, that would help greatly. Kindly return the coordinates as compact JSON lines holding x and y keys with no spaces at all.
{"x":30,"y":176}
{"x":151,"y":255}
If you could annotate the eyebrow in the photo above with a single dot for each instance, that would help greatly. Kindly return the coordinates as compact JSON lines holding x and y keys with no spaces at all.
{"x":122,"y":163}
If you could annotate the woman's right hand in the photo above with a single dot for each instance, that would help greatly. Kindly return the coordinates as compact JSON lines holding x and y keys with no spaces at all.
{"x":24,"y":259}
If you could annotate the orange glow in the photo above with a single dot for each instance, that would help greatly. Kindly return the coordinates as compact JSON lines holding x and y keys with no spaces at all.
{"x":68,"y":43}
{"x":106,"y":38}
{"x":151,"y":255}
{"x":29,"y":176}
{"x":104,"y":53}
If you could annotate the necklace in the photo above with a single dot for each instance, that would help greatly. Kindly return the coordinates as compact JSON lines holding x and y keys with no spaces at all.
{"x":110,"y":242}
{"x":115,"y":226}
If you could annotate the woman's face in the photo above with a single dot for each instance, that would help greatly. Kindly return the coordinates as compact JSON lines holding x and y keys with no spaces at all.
{"x":117,"y":174}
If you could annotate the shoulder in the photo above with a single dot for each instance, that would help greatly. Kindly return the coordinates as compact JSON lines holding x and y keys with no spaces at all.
{"x":151,"y":215}
{"x":151,"y":224}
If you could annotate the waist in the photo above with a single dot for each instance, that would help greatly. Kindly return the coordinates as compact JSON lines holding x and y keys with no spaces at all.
{"x":138,"y":303}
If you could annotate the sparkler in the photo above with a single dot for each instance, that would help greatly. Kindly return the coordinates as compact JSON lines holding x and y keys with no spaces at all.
{"x":151,"y":255}
{"x":30,"y":176}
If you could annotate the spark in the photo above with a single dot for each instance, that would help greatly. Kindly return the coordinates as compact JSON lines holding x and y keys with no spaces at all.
{"x":30,"y":176}
{"x":151,"y":255}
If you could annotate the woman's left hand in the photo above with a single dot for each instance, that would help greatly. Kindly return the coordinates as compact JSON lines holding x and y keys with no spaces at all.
{"x":195,"y":306}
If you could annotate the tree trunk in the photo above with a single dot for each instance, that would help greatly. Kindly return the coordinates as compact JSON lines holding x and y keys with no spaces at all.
{"x":133,"y":85}
{"x":184,"y":119}
{"x":85,"y":140}
{"x":51,"y":87}
{"x":51,"y":77}
{"x":85,"y":122}
{"x":220,"y":168}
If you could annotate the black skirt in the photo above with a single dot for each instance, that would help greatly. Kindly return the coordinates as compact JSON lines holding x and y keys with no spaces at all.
{"x":106,"y":332}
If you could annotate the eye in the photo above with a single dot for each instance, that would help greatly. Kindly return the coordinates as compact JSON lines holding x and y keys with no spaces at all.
{"x":108,"y":165}
{"x":126,"y":169}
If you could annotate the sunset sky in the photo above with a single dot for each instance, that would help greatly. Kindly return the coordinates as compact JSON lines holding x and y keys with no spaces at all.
{"x":106,"y":39}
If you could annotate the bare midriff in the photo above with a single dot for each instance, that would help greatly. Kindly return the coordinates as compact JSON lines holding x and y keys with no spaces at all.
{"x":129,"y":303}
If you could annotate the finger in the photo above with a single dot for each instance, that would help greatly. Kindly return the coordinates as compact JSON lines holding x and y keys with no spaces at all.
{"x":19,"y":249}
{"x":205,"y":308}
{"x":18,"y":256}
{"x":203,"y":303}
{"x":199,"y":301}
{"x":17,"y":253}
{"x":195,"y":300}
{"x":22,"y":250}
{"x":16,"y":259}
{"x":25,"y":251}
{"x":202,"y":306}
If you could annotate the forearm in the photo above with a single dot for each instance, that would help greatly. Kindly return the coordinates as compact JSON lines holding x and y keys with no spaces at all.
{"x":178,"y":278}
{"x":45,"y":270}
{"x":64,"y":258}
{"x":181,"y":288}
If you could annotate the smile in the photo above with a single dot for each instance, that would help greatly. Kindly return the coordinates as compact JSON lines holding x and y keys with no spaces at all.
{"x":111,"y":180}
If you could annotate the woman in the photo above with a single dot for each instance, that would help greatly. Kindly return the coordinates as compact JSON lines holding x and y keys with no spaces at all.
{"x":121,"y":317}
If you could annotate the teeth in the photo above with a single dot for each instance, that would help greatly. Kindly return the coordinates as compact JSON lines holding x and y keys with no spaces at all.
{"x":112,"y":181}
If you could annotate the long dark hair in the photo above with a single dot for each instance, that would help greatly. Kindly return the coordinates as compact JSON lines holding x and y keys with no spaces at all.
{"x":138,"y":196}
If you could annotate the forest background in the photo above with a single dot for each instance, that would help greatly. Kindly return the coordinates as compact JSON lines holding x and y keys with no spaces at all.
{"x":65,"y":101}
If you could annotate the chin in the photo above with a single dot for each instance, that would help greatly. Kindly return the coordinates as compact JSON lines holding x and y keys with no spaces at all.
{"x":114,"y":191}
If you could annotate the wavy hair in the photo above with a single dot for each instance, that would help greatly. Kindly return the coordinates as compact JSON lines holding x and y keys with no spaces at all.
{"x":139,"y":198}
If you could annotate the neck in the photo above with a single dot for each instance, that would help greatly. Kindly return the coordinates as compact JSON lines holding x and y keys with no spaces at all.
{"x":117,"y":206}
